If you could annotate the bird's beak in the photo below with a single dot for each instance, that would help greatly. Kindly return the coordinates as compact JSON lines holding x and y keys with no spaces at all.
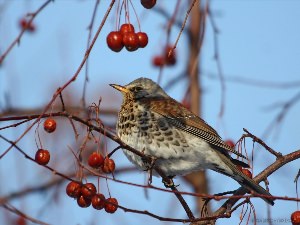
{"x":120,"y":88}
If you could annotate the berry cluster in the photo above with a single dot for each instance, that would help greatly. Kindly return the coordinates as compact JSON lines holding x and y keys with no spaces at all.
{"x":86,"y":195}
{"x":97,"y":161}
{"x":167,"y":58}
{"x":42,"y":156}
{"x":127,"y":37}
{"x":24,"y":24}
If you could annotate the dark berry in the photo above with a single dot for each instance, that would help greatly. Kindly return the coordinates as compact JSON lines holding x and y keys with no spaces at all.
{"x":131,"y":41}
{"x":111,"y":208}
{"x":88,"y":190}
{"x":42,"y":156}
{"x":158,"y":61}
{"x":295,"y":218}
{"x":73,"y":189}
{"x":126,"y":28}
{"x":247,"y":173}
{"x":114,"y":41}
{"x":148,"y":4}
{"x":98,"y":201}
{"x":49,"y":125}
{"x":95,"y":160}
{"x":108,"y":165}
{"x":230,"y":143}
{"x":83,"y":202}
{"x":143,"y":39}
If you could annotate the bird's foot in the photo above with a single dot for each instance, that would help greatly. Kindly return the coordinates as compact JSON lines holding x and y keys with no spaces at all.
{"x":169,"y":182}
{"x":149,"y":162}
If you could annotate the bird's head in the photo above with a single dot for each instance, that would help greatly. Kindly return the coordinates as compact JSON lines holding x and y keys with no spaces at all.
{"x":140,"y":88}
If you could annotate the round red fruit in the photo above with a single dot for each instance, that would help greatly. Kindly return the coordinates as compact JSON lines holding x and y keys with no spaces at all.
{"x":111,"y":205}
{"x":95,"y":160}
{"x":73,"y":189}
{"x":21,"y":221}
{"x":83,"y":202}
{"x":295,"y":218}
{"x":131,"y":41}
{"x":158,"y":61}
{"x":170,"y":55}
{"x":114,"y":41}
{"x":126,"y":28}
{"x":88,"y":190}
{"x":108,"y":165}
{"x":247,"y":173}
{"x":98,"y":201}
{"x":42,"y":156}
{"x":230,"y":143}
{"x":50,"y":125}
{"x":24,"y":24}
{"x":143,"y":39}
{"x":148,"y":4}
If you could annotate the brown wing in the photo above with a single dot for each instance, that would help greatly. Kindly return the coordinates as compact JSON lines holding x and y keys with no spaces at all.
{"x":182,"y":118}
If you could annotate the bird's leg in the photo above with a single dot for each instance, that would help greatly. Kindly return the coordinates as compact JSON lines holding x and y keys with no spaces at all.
{"x":149,"y":162}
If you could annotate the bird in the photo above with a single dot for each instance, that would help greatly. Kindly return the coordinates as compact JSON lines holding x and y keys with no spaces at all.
{"x":155,"y":124}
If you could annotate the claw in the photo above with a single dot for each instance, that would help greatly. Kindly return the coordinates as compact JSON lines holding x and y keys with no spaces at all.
{"x":169,"y":183}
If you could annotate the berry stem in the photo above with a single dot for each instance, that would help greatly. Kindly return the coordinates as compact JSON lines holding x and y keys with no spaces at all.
{"x":135,"y":13}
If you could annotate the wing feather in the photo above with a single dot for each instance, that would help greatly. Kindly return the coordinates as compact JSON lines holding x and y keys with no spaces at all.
{"x":182,"y":118}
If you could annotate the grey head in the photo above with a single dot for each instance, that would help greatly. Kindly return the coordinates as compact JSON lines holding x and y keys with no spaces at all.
{"x":141,"y":88}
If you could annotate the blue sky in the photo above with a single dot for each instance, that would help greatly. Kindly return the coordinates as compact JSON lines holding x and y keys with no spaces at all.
{"x":258,"y":40}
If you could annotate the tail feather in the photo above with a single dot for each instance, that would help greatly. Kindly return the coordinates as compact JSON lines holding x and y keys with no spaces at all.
{"x":245,"y":181}
{"x":252,"y":186}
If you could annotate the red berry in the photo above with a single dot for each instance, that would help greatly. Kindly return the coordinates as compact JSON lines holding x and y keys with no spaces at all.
{"x":83,"y":202}
{"x":26,"y":26}
{"x":49,"y":125}
{"x":111,"y":208}
{"x":73,"y":189}
{"x":158,"y":61}
{"x":247,"y":173}
{"x":88,"y":190}
{"x":126,"y":28}
{"x":21,"y":221}
{"x":98,"y":201}
{"x":295,"y":218}
{"x":108,"y":165}
{"x":230,"y":143}
{"x":95,"y":160}
{"x":148,"y":4}
{"x":42,"y":156}
{"x":114,"y":41}
{"x":143,"y":39}
{"x":240,"y":168}
{"x":170,"y":55}
{"x":131,"y":41}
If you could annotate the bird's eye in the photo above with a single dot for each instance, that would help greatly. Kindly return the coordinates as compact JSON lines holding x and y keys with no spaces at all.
{"x":136,"y":89}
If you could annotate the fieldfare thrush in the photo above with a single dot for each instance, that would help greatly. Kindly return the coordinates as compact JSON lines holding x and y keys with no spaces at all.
{"x":181,"y":142}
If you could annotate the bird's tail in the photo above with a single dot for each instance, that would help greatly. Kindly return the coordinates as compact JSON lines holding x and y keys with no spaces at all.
{"x":252,"y":186}
{"x":247,"y":182}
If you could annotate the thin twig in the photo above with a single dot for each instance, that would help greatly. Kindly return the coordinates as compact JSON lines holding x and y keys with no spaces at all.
{"x":74,"y":77}
{"x":262,"y":143}
{"x":20,"y":213}
{"x":18,"y":39}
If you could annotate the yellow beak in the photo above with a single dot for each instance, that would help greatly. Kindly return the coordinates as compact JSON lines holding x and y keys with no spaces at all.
{"x":120,"y":88}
